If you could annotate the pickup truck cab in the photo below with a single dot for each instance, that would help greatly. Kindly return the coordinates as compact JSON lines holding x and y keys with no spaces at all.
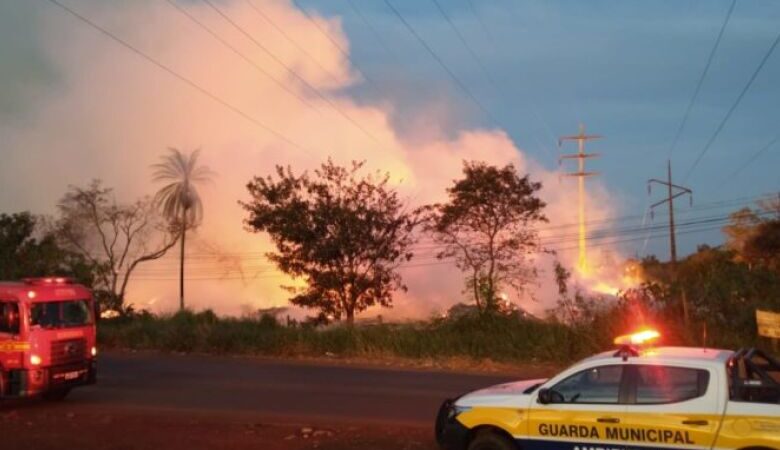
{"x":632,"y":398}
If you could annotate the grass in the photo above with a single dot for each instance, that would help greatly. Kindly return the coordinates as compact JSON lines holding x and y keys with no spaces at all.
{"x":501,"y":339}
{"x":491,"y":338}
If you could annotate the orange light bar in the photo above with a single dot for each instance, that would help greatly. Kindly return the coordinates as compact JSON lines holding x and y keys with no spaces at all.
{"x":638,"y":338}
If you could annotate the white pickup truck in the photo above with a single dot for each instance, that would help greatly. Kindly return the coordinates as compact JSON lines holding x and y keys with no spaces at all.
{"x":656,"y":398}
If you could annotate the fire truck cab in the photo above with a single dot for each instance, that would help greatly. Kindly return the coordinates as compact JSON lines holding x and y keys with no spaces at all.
{"x":47,"y":338}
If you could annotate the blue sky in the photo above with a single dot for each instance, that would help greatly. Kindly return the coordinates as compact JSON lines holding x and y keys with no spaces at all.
{"x":626,"y":69}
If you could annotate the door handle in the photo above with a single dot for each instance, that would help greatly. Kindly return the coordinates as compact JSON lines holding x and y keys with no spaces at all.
{"x":695,"y":422}
{"x":608,"y":420}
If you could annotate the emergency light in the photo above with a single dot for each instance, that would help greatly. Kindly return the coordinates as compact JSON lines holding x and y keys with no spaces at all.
{"x":48,"y":281}
{"x":638,"y":338}
{"x":630,"y":343}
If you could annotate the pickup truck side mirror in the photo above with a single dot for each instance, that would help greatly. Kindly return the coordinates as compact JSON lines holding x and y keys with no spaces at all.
{"x":544,"y":397}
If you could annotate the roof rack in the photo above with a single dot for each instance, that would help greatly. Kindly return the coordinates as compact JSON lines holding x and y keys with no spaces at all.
{"x":750,"y":376}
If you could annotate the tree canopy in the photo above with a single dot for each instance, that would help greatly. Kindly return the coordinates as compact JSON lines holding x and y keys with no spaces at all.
{"x":488,"y":227}
{"x":754,"y":235}
{"x":29,"y":249}
{"x":114,"y":237}
{"x":179,"y":200}
{"x":344,"y":233}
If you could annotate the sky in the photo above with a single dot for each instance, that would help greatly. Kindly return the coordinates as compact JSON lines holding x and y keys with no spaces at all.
{"x":347,"y":79}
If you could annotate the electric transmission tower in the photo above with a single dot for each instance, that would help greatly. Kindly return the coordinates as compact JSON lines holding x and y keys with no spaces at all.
{"x":673,"y":191}
{"x":580,"y":174}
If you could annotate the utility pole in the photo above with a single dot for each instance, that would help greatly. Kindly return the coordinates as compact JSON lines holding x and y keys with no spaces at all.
{"x":673,"y":191}
{"x":580,"y":174}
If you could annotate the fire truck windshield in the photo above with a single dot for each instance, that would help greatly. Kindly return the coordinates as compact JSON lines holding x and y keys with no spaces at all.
{"x":61,"y":314}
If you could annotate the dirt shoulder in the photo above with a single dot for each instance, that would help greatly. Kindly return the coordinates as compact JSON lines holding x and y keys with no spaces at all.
{"x":42,"y":426}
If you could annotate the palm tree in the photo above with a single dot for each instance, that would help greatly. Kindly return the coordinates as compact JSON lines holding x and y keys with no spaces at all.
{"x":178,"y":199}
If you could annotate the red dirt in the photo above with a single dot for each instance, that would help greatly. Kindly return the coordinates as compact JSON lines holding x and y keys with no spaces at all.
{"x":41,"y":426}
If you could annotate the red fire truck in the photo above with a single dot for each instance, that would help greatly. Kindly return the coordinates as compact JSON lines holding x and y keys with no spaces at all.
{"x":47,"y":338}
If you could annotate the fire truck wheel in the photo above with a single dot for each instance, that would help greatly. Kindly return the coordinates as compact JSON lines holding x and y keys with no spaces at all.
{"x":56,"y":396}
{"x":489,"y":440}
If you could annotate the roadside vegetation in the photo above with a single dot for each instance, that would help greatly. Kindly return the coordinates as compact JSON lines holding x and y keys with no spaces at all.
{"x":498,"y":338}
{"x":343,"y":235}
{"x":723,"y":291}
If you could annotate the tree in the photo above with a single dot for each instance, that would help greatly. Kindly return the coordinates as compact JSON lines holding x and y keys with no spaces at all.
{"x":488,"y":227}
{"x":763,"y":245}
{"x":754,"y":235}
{"x":179,"y":199}
{"x":28,"y":249}
{"x":344,"y":234}
{"x":738,"y":232}
{"x":115,"y":238}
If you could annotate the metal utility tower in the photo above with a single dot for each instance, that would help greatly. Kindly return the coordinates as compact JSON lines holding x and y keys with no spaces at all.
{"x":673,"y":191}
{"x":581,"y":174}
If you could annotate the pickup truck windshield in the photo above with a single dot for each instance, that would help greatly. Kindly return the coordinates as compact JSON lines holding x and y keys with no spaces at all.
{"x":61,"y":314}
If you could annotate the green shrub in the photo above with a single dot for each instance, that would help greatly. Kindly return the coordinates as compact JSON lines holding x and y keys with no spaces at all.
{"x":494,"y":337}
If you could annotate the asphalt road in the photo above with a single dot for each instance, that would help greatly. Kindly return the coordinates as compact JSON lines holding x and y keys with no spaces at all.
{"x":271,"y":388}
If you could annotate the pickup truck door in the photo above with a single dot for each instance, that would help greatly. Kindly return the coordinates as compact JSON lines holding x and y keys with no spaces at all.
{"x":672,"y":406}
{"x":584,"y":405}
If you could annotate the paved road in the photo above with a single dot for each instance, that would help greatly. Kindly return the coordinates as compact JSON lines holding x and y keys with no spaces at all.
{"x":301,"y":391}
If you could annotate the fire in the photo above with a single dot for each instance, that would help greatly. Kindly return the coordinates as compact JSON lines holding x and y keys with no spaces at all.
{"x":603,"y":275}
{"x":605,"y":288}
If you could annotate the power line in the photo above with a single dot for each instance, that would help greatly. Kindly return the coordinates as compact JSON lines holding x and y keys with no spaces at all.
{"x":750,"y":160}
{"x":336,"y":44}
{"x":440,"y":262}
{"x":289,"y":39}
{"x":441,"y":63}
{"x":292,"y":72}
{"x":701,"y":78}
{"x":465,"y":44}
{"x":729,"y":203}
{"x":373,"y":30}
{"x":180,"y":77}
{"x":491,"y":80}
{"x":232,"y":48}
{"x":734,"y":106}
{"x":482,"y":23}
{"x":640,"y":238}
{"x":551,"y":243}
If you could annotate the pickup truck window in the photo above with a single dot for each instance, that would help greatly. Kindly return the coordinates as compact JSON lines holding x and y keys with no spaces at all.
{"x":600,"y":385}
{"x":666,"y":384}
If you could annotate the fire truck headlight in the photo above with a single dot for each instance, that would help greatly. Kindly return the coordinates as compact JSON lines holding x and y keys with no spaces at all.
{"x":35,"y":360}
{"x":94,"y":351}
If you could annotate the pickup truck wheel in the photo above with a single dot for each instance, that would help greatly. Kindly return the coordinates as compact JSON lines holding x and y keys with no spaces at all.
{"x":56,"y":395}
{"x":488,"y":440}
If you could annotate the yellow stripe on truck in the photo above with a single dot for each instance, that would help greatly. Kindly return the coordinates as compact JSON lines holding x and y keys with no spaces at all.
{"x":14,"y":346}
{"x":749,"y":431}
{"x":581,"y":426}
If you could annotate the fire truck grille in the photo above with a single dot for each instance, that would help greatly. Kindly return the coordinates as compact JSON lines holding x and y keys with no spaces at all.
{"x":68,"y":351}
